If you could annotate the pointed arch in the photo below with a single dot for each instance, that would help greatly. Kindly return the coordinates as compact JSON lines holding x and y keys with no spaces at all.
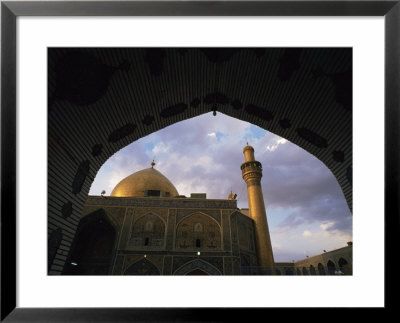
{"x":289,"y":272}
{"x":342,"y":262}
{"x":197,"y":272}
{"x":331,"y":267}
{"x":197,"y":264}
{"x":81,"y":141}
{"x":198,"y":213}
{"x":190,"y":237}
{"x":321,"y":269}
{"x":150,"y":213}
{"x":148,"y":230}
{"x":142,"y":267}
{"x":344,"y":266}
{"x":97,"y":215}
{"x":93,"y":248}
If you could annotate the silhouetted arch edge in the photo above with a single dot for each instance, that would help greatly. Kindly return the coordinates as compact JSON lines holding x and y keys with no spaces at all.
{"x":80,"y":141}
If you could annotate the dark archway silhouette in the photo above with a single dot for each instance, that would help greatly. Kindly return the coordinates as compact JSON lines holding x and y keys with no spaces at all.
{"x":92,"y":250}
{"x":298,"y":272}
{"x":197,"y":264}
{"x":289,"y":272}
{"x":103,"y":99}
{"x":312,"y":270}
{"x":321,"y":269}
{"x":331,"y":267}
{"x":344,"y":266}
{"x":305,"y":271}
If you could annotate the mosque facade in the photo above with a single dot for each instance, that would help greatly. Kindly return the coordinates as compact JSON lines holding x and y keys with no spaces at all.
{"x":146,"y":228}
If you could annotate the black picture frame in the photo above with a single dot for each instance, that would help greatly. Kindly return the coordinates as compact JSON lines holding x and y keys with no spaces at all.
{"x":11,"y":10}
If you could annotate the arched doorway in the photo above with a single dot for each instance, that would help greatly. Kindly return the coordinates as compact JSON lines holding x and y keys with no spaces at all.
{"x":344,"y":266}
{"x":142,"y":267}
{"x":197,"y":267}
{"x":92,"y":250}
{"x":312,"y":270}
{"x":289,"y":272}
{"x":94,"y":111}
{"x":321,"y":269}
{"x":197,"y":272}
{"x":331,"y":267}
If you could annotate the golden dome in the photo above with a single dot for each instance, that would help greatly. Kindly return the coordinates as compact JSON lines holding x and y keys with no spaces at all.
{"x":147,"y":182}
{"x":232,"y":196}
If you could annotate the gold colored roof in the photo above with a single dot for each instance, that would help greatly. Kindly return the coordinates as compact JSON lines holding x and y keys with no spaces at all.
{"x":232,"y":196}
{"x":147,"y":179}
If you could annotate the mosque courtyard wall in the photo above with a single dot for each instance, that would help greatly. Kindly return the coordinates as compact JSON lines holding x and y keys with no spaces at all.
{"x":168,"y":233}
{"x":180,"y":236}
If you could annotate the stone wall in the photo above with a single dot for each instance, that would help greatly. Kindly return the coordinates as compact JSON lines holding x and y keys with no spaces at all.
{"x":327,"y":263}
{"x":164,"y":235}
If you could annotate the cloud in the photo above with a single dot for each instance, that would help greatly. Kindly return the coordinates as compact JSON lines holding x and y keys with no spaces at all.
{"x":325,"y":226}
{"x":307,"y":234}
{"x":279,"y":141}
{"x":160,"y":148}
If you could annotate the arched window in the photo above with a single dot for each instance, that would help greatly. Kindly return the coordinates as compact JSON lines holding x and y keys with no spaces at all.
{"x":146,"y":241}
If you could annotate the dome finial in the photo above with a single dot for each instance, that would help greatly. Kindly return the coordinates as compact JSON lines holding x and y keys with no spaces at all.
{"x":232,"y":196}
{"x":153,"y":163}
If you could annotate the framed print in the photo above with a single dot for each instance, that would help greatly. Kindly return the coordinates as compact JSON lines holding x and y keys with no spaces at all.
{"x":111,"y":73}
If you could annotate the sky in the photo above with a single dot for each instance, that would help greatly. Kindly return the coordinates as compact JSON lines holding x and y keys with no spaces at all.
{"x":306,"y":209}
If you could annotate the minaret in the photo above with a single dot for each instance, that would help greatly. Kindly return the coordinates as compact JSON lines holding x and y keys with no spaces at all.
{"x":252,"y":173}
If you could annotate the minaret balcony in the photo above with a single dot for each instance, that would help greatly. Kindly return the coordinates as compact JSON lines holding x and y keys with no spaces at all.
{"x":251,"y":164}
